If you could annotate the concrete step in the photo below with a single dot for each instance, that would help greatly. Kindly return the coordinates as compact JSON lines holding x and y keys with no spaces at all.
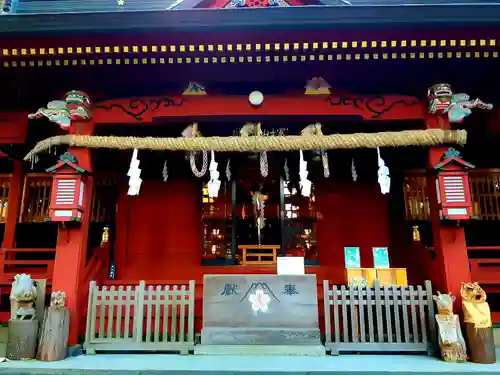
{"x":72,"y":6}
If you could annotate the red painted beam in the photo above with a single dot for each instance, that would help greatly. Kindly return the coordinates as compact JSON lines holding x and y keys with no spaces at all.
{"x":13,"y":127}
{"x":144,"y":110}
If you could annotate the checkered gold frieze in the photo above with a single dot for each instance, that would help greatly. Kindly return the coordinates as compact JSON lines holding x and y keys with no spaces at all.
{"x":441,"y":45}
{"x":249,"y":59}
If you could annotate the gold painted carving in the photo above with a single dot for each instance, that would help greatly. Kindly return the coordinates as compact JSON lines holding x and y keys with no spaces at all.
{"x":476,"y":309}
{"x":451,"y":340}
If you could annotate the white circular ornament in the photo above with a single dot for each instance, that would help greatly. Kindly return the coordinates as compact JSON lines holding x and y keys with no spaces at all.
{"x":256,"y":98}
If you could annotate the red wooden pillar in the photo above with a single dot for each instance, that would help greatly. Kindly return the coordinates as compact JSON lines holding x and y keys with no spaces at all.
{"x":15,"y":196}
{"x":452,"y":262}
{"x":71,"y":250}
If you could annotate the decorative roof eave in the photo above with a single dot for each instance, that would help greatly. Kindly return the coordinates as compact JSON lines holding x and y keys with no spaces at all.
{"x":67,"y":159}
{"x":452,"y":156}
{"x":316,"y":17}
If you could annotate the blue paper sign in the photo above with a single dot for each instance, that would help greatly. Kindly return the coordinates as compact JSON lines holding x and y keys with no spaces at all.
{"x":352,"y":257}
{"x":381,"y":257}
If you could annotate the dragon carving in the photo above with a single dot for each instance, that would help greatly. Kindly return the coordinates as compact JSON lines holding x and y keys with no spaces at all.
{"x":442,"y":100}
{"x":74,"y":107}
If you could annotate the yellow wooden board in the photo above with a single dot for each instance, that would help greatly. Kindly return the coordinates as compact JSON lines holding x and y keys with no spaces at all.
{"x":386,"y":276}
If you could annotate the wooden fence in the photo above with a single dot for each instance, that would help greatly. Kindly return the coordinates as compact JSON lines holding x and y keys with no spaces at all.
{"x":156,"y":318}
{"x":379,"y":319}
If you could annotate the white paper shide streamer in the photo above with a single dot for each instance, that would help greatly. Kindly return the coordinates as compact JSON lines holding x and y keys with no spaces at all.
{"x":164,"y":172}
{"x":228,"y":170}
{"x":134,"y":174}
{"x":354,"y":173}
{"x":214,"y":183}
{"x":383,"y":175}
{"x":287,"y":171}
{"x":304,"y":183}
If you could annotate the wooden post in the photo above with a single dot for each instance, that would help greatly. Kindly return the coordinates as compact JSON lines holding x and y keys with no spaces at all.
{"x":41,"y":287}
{"x":22,"y":339}
{"x":481,"y":344}
{"x":71,"y":249}
{"x":54,"y":334}
{"x":15,"y":193}
{"x":234,"y":222}
{"x":451,"y":266}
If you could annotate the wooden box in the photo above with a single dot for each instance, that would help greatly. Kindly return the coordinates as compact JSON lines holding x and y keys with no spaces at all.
{"x":386,"y":276}
{"x":392,"y":276}
{"x":369,"y":274}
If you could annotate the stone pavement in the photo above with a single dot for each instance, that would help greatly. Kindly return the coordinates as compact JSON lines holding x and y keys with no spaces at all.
{"x":149,"y":364}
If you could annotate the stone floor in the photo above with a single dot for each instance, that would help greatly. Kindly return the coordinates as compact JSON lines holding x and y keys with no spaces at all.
{"x":149,"y":364}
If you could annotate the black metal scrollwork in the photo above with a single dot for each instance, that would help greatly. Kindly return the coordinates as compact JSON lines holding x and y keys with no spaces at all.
{"x":376,"y":105}
{"x":136,"y":108}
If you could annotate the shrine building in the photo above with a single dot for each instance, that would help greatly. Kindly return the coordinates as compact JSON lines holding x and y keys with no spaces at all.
{"x":140,"y":143}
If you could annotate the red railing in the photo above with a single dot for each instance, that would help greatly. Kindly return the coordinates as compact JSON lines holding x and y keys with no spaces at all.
{"x":38,"y":268}
{"x":486,"y":271}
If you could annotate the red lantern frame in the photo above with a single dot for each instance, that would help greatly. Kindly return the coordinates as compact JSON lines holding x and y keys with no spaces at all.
{"x":68,"y":188}
{"x":452,"y":186}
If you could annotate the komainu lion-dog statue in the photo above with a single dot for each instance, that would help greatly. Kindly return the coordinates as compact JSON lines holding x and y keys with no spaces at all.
{"x":451,"y":340}
{"x":22,"y":298}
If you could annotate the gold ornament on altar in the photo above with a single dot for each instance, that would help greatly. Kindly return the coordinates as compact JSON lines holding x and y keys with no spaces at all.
{"x":105,"y":236}
{"x":416,"y":234}
{"x":451,"y":340}
{"x":476,"y":309}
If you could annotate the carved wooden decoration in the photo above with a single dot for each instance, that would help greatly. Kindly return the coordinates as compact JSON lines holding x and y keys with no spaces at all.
{"x":22,"y":298}
{"x":478,"y":325}
{"x":23,"y":325}
{"x":55,"y":330}
{"x":451,"y":340}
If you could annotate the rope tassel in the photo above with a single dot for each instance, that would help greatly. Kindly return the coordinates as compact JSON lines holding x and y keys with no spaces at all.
{"x":429,"y":137}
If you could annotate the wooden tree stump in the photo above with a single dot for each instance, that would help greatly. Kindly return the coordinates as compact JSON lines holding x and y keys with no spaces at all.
{"x":481,"y":344}
{"x":54,"y":334}
{"x":478,"y":325}
{"x":23,"y":335}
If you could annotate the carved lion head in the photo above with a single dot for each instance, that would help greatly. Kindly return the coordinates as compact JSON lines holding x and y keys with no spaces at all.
{"x":472,"y":292}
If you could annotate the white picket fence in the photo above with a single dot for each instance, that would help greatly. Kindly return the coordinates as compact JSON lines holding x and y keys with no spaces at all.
{"x":156,"y":318}
{"x":379,"y":319}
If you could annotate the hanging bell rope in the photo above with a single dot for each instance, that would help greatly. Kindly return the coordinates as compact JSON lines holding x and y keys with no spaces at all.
{"x":430,"y":137}
{"x":315,"y":129}
{"x":190,"y":132}
{"x":254,"y":130}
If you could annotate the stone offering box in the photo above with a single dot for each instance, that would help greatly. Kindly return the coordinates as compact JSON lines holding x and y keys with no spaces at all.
{"x":253,"y":310}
